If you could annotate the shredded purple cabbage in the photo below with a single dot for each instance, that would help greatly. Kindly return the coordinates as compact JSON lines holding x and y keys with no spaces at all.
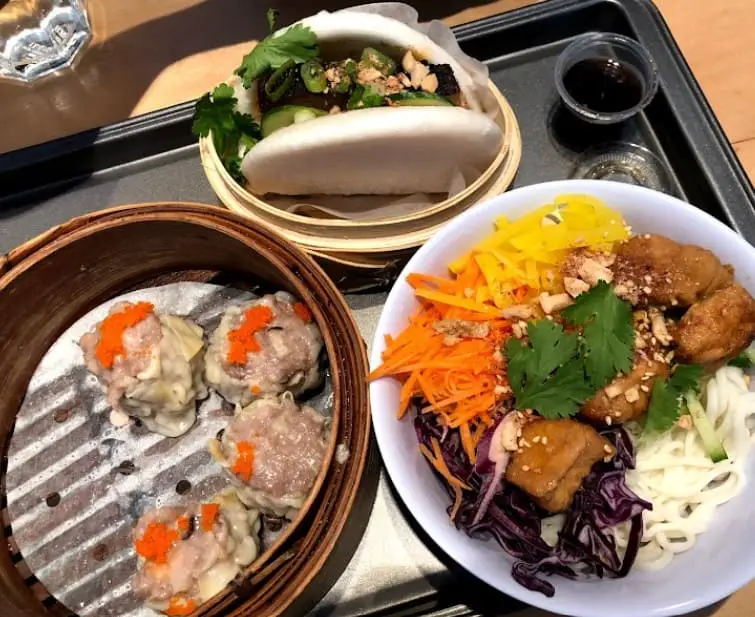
{"x":586,"y":544}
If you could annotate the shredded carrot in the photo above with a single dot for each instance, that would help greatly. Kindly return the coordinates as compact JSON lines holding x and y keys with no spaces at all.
{"x":183,"y":523}
{"x":459,"y":382}
{"x":456,"y":301}
{"x":110,"y":343}
{"x":179,"y":606}
{"x":209,"y":514}
{"x":242,"y":339}
{"x":303,"y":312}
{"x":156,"y":542}
{"x":435,"y":458}
{"x":244,"y":463}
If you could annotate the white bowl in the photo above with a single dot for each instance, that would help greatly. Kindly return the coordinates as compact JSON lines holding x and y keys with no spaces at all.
{"x":722,"y":560}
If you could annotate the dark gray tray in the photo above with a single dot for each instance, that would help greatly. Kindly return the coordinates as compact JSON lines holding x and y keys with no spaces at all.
{"x":395,"y":569}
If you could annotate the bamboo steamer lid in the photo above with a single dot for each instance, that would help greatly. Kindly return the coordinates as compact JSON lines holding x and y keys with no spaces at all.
{"x":501,"y":171}
{"x":93,"y":258}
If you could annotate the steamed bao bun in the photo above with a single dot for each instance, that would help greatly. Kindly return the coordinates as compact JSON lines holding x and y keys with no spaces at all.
{"x":274,"y":450}
{"x":387,"y":150}
{"x":152,"y":368}
{"x":279,"y":350}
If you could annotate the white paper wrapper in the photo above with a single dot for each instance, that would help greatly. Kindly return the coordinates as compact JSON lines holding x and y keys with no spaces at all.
{"x":366,"y":207}
{"x":64,"y":445}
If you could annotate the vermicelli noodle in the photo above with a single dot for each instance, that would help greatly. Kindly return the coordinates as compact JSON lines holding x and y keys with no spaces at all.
{"x":676,"y":474}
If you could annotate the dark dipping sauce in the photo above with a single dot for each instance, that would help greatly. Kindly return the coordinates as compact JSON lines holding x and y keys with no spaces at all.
{"x":604,"y":85}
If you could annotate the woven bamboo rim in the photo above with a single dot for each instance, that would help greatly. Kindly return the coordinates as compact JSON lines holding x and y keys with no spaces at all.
{"x":365,"y":241}
{"x":285,"y":567}
{"x":239,"y":200}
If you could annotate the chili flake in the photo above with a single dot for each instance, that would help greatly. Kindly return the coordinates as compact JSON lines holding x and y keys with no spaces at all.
{"x":110,"y":344}
{"x":242,"y":339}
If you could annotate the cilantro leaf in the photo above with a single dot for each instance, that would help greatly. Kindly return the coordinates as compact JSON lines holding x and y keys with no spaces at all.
{"x":297,"y":43}
{"x":666,"y":397}
{"x":547,"y":375}
{"x":607,"y":334}
{"x":560,"y":395}
{"x":233,"y":133}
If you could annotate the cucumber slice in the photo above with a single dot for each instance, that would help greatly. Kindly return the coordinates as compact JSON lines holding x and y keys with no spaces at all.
{"x":711,"y":441}
{"x":414,"y":98}
{"x":281,"y":117}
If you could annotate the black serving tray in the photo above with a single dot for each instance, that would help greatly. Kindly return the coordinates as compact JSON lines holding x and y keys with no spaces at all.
{"x":396,"y":569}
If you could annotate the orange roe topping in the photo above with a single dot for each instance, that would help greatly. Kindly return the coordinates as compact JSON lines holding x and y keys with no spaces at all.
{"x":180,"y":606}
{"x":302,"y":312}
{"x":255,"y":389}
{"x":244,"y":462}
{"x":183,"y":523}
{"x":156,"y":542}
{"x":242,"y":339}
{"x":209,"y":514}
{"x":111,"y":330}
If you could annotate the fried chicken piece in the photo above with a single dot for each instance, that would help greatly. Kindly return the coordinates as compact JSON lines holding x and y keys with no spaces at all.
{"x":555,"y":456}
{"x":655,"y":269}
{"x":627,"y":397}
{"x":717,"y":328}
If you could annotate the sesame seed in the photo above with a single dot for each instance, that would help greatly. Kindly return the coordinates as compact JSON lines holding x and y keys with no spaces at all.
{"x":644,"y":388}
{"x":526,"y":443}
{"x":674,"y":301}
{"x":520,"y":451}
{"x":646,"y":236}
{"x":607,"y":448}
{"x":647,"y":290}
{"x":617,"y":414}
{"x":544,"y":440}
{"x":525,"y":467}
{"x":609,"y":420}
{"x":536,"y":439}
{"x":648,"y":279}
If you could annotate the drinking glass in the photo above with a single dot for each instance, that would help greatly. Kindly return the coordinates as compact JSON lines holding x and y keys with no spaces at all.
{"x":39,"y":37}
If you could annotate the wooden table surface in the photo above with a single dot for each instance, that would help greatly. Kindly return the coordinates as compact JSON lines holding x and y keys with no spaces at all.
{"x":149,"y":54}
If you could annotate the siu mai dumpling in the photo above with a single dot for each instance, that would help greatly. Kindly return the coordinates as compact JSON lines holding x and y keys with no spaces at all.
{"x":267,"y":347}
{"x":275,"y":450}
{"x":151,"y":365}
{"x":188,"y":554}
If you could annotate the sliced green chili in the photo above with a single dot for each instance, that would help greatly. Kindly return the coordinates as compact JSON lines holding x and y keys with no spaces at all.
{"x":280,"y":81}
{"x":313,"y":76}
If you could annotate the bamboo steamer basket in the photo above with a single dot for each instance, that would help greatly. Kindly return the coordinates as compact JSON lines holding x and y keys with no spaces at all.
{"x":82,"y":263}
{"x":370,"y":235}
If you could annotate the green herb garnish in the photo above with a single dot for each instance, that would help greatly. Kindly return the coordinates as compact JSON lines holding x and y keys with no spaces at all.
{"x":745,"y":360}
{"x":298,"y":44}
{"x":233,"y":133}
{"x":548,"y":374}
{"x":364,"y":97}
{"x":608,"y":335}
{"x":557,"y":371}
{"x":666,"y":397}
{"x":272,"y":17}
